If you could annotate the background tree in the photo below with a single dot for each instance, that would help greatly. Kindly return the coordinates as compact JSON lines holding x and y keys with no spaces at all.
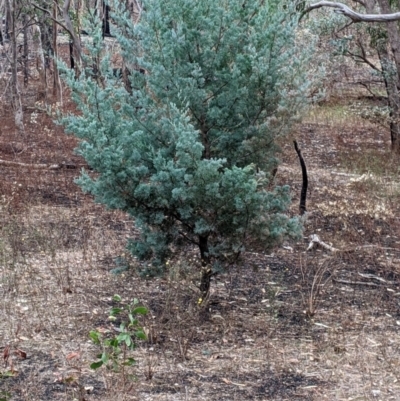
{"x":12,"y":12}
{"x":382,"y":17}
{"x":189,"y":150}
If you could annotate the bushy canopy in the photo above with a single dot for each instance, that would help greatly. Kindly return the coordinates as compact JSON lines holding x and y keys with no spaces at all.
{"x":188,"y":148}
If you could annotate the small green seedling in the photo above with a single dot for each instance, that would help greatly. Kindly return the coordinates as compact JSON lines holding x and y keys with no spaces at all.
{"x":116,"y":349}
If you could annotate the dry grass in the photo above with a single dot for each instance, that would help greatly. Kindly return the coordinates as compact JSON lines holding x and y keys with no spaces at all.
{"x":293,"y":325}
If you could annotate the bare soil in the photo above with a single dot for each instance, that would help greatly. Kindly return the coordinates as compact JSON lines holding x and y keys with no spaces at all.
{"x":292,"y":325}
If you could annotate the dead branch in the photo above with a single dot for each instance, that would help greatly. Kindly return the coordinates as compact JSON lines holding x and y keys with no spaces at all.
{"x":375,"y":277}
{"x":316,"y":240}
{"x":58,"y":166}
{"x":341,"y":8}
{"x":336,"y":280}
{"x":303,"y":195}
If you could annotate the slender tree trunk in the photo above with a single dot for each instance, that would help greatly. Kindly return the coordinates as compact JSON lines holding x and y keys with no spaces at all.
{"x":15,"y":94}
{"x":8,"y":20}
{"x":45,"y":38}
{"x":56,"y":77}
{"x":76,"y":44}
{"x":206,"y":272}
{"x":40,"y":62}
{"x":105,"y":19}
{"x":1,"y":33}
{"x":26,"y":50}
{"x":392,"y":78}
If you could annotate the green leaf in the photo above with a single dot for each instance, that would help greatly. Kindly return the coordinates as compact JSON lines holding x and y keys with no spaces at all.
{"x":140,"y":310}
{"x":116,"y":298}
{"x":104,"y":357}
{"x":125,"y":338}
{"x":95,"y":336}
{"x":96,"y":365}
{"x":115,"y":311}
{"x":129,"y":362}
{"x":113,"y":342}
{"x":141,"y":335}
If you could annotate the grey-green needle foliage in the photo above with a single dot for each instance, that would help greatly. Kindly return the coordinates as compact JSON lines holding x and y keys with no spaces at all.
{"x":188,"y":148}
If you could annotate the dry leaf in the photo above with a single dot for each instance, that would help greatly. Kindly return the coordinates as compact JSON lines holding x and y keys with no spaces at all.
{"x":73,"y":355}
{"x":6,"y":353}
{"x":20,"y":353}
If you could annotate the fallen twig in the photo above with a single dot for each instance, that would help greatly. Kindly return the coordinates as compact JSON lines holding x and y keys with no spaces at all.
{"x":58,"y":166}
{"x":338,"y":280}
{"x":316,"y":240}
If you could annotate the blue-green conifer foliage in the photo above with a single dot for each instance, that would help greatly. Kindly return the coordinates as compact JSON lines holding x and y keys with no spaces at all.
{"x":187,"y":150}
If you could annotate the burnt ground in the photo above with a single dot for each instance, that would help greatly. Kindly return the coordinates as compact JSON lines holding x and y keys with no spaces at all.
{"x":291,"y":325}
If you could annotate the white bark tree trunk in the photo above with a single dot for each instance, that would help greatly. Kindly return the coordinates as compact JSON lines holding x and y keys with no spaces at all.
{"x":15,"y":94}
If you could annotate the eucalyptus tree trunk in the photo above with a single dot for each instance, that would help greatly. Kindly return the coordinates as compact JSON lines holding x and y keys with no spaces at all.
{"x":391,"y":77}
{"x":75,"y":41}
{"x":26,"y":49}
{"x":40,"y":61}
{"x":45,"y":29}
{"x":15,"y":94}
{"x":56,"y":77}
{"x":7,"y":21}
{"x":391,"y":85}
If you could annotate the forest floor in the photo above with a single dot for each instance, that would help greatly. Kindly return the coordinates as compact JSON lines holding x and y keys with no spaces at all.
{"x":294,"y":325}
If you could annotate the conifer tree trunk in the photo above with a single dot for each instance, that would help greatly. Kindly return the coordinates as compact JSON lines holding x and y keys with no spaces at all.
{"x":206,"y":271}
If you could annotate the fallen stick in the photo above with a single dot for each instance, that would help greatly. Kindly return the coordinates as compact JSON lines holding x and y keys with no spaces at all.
{"x":316,"y":240}
{"x":374,"y":277}
{"x":9,"y":163}
{"x":338,"y":280}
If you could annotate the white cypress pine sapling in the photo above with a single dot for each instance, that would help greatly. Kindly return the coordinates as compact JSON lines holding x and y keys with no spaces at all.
{"x":188,"y":149}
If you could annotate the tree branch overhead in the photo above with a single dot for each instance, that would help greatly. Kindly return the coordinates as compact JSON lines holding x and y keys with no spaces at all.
{"x":341,"y":8}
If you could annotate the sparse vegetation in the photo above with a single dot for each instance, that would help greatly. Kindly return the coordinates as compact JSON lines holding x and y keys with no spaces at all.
{"x":288,"y":325}
{"x":117,"y":349}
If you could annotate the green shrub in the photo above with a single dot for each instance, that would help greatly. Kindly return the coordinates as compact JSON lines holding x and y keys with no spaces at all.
{"x":187,"y":149}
